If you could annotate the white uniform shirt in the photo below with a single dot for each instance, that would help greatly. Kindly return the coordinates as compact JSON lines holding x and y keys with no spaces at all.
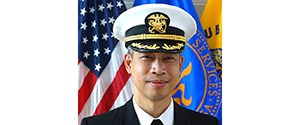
{"x":167,"y":117}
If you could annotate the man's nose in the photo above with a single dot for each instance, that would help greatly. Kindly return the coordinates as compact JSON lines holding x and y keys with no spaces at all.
{"x":158,"y":67}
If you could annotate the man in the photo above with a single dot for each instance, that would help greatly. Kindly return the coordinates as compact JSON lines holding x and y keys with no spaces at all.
{"x":155,"y":35}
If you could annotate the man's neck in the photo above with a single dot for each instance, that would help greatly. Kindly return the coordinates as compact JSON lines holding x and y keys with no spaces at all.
{"x":153,"y":108}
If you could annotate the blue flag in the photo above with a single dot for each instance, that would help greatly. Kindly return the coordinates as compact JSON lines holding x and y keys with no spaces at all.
{"x":200,"y":87}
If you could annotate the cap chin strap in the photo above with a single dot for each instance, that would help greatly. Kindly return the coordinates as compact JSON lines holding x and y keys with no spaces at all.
{"x":155,"y":36}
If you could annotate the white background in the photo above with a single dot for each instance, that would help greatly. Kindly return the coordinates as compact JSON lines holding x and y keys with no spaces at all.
{"x":38,"y":66}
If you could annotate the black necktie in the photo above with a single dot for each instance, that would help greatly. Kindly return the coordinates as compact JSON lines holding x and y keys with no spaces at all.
{"x":156,"y":122}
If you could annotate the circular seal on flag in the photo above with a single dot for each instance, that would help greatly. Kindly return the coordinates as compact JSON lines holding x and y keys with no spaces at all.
{"x":200,"y":87}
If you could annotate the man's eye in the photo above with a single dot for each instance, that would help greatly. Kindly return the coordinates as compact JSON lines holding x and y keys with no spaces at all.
{"x":146,"y":57}
{"x":169,"y":58}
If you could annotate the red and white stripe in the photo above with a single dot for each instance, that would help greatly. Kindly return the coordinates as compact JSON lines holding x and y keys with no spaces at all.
{"x":112,"y":89}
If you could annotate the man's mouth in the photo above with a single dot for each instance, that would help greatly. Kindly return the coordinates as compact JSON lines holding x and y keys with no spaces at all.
{"x":158,"y":83}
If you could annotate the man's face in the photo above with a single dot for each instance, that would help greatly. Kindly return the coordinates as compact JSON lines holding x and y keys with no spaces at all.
{"x":154,"y":74}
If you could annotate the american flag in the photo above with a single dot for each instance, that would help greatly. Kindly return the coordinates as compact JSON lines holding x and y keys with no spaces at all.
{"x":104,"y":83}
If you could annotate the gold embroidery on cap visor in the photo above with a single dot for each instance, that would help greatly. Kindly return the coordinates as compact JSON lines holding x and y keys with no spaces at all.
{"x":157,"y":22}
{"x":155,"y":36}
{"x":142,"y":46}
{"x":155,"y":47}
{"x":173,"y":47}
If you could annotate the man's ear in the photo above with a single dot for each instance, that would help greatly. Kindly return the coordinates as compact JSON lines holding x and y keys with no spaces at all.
{"x":127,"y":62}
{"x":181,"y":59}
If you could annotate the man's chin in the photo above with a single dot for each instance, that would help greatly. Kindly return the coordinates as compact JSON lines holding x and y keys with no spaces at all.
{"x":159,"y":96}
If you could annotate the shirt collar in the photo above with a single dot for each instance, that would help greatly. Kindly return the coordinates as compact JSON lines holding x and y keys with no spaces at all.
{"x":167,"y":117}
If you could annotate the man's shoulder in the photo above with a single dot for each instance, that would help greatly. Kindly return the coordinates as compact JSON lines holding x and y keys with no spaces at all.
{"x":109,"y":117}
{"x":196,"y":117}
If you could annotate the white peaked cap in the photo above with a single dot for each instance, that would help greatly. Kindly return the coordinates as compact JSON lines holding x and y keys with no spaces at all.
{"x":136,"y":16}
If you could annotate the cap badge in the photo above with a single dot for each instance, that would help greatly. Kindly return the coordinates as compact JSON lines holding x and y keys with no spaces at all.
{"x":157,"y":22}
